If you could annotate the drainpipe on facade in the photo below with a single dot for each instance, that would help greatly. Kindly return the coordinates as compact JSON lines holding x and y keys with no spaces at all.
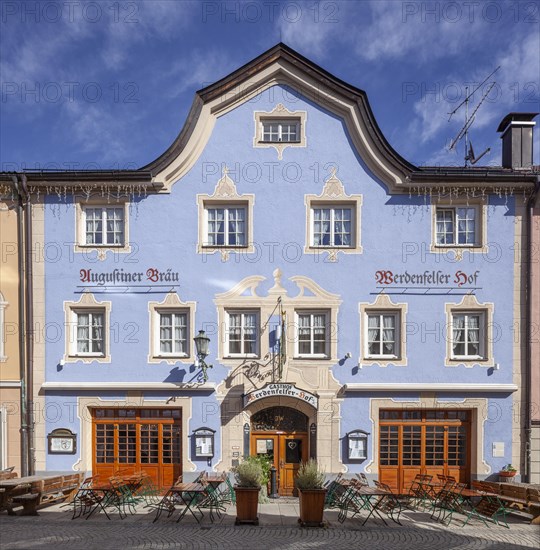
{"x":22,"y":331}
{"x":528,"y":328}
{"x":29,"y":327}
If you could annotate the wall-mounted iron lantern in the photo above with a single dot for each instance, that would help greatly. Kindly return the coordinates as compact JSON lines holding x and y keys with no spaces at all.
{"x":201,"y":345}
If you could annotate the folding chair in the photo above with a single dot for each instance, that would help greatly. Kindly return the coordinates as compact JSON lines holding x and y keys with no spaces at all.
{"x":363,"y":479}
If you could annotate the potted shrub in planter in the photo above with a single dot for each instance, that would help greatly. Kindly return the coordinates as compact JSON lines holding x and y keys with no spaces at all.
{"x":311,"y":493}
{"x":248,"y":475}
{"x":507,"y":473}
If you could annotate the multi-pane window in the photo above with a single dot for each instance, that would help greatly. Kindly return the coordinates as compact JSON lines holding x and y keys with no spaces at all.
{"x":242,"y":333}
{"x":275,"y":131}
{"x":382,"y":334}
{"x":90,"y":332}
{"x":456,"y":226}
{"x":312,"y":334}
{"x":226,"y":226}
{"x":173,"y":333}
{"x":104,"y":226}
{"x":467,"y":330}
{"x":332,"y":226}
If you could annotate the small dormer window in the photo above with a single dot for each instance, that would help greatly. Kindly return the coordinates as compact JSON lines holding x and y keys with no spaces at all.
{"x":281,"y":131}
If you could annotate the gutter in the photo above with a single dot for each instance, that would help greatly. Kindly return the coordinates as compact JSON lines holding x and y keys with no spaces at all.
{"x":528,"y":332}
{"x":29,"y":326}
{"x":22,"y":330}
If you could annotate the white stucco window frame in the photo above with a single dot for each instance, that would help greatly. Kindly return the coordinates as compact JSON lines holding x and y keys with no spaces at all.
{"x":278,"y":115}
{"x":469,"y":304}
{"x":172,"y":303}
{"x":81,"y":203}
{"x":333,"y":195}
{"x":226,"y":349}
{"x":328,"y":333}
{"x":225,"y":195}
{"x":87,"y":303}
{"x":480,"y":205}
{"x":383,"y":305}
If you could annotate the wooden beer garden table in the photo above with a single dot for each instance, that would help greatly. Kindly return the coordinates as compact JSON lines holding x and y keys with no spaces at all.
{"x":185,"y":493}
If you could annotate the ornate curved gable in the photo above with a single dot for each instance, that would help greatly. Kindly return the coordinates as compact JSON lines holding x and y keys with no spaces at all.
{"x":281,"y":65}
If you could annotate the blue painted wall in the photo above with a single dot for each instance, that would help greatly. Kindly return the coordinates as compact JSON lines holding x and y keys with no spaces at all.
{"x":163,"y":233}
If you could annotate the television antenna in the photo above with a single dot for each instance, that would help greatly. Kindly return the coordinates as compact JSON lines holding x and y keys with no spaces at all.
{"x":464,"y":132}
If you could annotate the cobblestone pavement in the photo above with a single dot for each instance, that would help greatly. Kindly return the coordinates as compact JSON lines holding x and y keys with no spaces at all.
{"x":278,"y":529}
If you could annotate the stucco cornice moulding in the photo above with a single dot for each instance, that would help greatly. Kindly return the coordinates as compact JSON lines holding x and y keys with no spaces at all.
{"x":469,"y":388}
{"x":10,"y":384}
{"x":120,"y":386}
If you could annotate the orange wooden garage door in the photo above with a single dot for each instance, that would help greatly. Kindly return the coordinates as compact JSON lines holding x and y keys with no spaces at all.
{"x":132,"y":440}
{"x":423,"y":441}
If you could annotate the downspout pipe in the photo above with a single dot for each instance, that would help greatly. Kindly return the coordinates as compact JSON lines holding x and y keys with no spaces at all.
{"x":528,"y":332}
{"x":29,"y":326}
{"x":22,"y":327}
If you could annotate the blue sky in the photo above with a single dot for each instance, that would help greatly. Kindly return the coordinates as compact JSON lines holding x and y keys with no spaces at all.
{"x":109,"y":84}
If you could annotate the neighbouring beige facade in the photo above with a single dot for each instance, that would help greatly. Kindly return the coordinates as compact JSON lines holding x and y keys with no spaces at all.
{"x":10,"y":448}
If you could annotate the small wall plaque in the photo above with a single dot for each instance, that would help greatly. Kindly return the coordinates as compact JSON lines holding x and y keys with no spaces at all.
{"x":62,"y":441}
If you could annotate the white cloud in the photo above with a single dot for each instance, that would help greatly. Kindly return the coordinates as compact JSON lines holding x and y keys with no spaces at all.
{"x":149,"y":20}
{"x":310,"y":36}
{"x":199,"y":69}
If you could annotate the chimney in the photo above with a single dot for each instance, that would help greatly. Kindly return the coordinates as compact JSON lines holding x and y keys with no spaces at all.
{"x":517,"y":140}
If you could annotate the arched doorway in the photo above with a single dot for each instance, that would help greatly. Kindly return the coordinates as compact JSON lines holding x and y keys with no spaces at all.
{"x":281,"y":434}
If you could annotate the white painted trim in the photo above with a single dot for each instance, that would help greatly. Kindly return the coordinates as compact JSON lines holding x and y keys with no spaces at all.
{"x":3,"y":438}
{"x":126,"y":386}
{"x":10,"y":384}
{"x":469,"y":388}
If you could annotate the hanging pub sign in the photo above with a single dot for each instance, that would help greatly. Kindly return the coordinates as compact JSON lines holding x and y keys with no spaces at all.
{"x":62,"y":441}
{"x":281,"y":390}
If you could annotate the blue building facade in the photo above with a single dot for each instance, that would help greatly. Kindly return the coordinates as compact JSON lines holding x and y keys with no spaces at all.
{"x":360,"y":310}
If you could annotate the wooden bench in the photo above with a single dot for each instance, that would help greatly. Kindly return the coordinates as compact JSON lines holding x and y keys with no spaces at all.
{"x":513,"y":496}
{"x":8,"y":473}
{"x":48,"y":491}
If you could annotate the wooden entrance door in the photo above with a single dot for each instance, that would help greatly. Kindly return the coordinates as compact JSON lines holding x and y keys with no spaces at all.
{"x":428,"y":442}
{"x":286,"y":452}
{"x":280,"y":434}
{"x":133,"y":440}
{"x":293,"y":450}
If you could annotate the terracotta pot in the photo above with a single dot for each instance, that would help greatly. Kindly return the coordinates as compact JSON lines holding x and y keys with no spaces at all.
{"x":247,"y":505}
{"x":507,"y":475}
{"x":311,"y":507}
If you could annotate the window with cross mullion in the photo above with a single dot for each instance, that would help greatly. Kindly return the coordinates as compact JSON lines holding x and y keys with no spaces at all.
{"x":242,"y":334}
{"x":312,"y":334}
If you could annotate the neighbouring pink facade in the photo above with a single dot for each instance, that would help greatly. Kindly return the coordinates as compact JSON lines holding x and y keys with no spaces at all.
{"x":535,"y":339}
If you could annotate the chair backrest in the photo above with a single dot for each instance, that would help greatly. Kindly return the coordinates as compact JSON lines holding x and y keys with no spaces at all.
{"x":382,"y":486}
{"x":202,"y":475}
{"x":363,"y":479}
{"x":441,"y":477}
